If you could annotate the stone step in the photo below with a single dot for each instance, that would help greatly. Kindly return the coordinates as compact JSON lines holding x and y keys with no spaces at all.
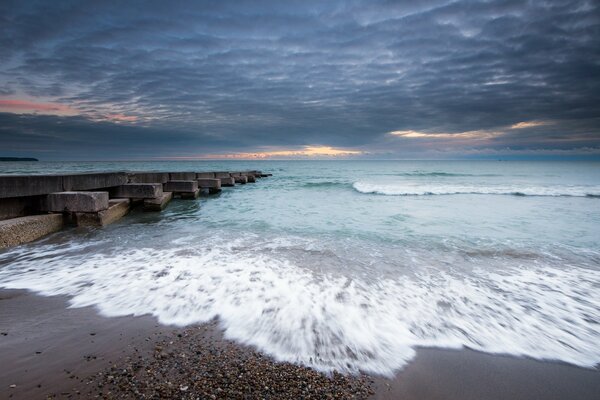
{"x":182,"y":176}
{"x":159,"y":203}
{"x":181,"y":186}
{"x":116,"y":210}
{"x":148,"y":177}
{"x":21,"y":230}
{"x":228,"y":181}
{"x":240,"y":179}
{"x":138,"y":191}
{"x":212,"y":185}
{"x":77,"y":201}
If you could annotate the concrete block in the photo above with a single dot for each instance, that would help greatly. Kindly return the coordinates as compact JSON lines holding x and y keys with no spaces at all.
{"x":181,"y":186}
{"x":93,"y":181}
{"x":138,"y":191}
{"x":213,"y":185}
{"x":77,"y":201}
{"x":159,"y":203}
{"x":21,"y":230}
{"x":116,"y":210}
{"x":190,"y":196}
{"x":205,"y":175}
{"x":30,"y":185}
{"x":251,"y":178}
{"x":222,"y":175}
{"x":229,"y":181}
{"x":13,"y":207}
{"x":182,"y":176}
{"x":148,"y":177}
{"x":240,"y":179}
{"x":255,"y":174}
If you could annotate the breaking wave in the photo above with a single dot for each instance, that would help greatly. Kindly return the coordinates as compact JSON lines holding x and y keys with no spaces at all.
{"x":329,"y":321}
{"x":429,"y":189}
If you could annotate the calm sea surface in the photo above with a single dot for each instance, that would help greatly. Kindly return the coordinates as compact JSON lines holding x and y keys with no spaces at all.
{"x":349,"y":265}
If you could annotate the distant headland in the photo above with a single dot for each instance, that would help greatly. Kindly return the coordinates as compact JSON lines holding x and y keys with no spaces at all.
{"x":18,"y":159}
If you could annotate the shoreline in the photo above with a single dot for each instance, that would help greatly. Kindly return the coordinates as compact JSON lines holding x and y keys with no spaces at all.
{"x":53,"y":350}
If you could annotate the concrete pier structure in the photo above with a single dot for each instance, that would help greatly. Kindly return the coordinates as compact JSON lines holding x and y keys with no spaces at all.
{"x":148,"y":177}
{"x":241,"y":179}
{"x":159,"y":203}
{"x":93,"y":181}
{"x":182,"y":176}
{"x":32,"y":206}
{"x":181,"y":186}
{"x":213,"y":185}
{"x":117,"y":208}
{"x":226,"y":179}
{"x":77,"y":201}
{"x":21,"y":230}
{"x":138,"y":191}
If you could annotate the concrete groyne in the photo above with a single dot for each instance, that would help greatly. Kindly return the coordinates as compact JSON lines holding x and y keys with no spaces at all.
{"x":32,"y":206}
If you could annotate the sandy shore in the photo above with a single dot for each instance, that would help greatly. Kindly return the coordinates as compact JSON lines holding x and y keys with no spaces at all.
{"x":47,"y":349}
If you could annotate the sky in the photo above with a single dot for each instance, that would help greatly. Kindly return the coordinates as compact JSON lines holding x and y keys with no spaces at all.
{"x":427,"y":79}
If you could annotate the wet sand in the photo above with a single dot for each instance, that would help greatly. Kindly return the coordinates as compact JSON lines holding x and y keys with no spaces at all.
{"x":47,"y":349}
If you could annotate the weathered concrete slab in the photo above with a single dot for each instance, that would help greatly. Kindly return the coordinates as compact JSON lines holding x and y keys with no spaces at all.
{"x":93,"y":181}
{"x":77,"y":201}
{"x":181,"y":186}
{"x":13,"y":207}
{"x":229,"y":181}
{"x":190,"y":196}
{"x":256,"y":174}
{"x":222,"y":175}
{"x":251,"y":178}
{"x":240,"y":179}
{"x":205,"y":175}
{"x":138,"y":191}
{"x":116,"y":210}
{"x":158,"y":204}
{"x":30,"y":185}
{"x":182,"y":176}
{"x":21,"y":230}
{"x":212,"y":185}
{"x":148,"y":177}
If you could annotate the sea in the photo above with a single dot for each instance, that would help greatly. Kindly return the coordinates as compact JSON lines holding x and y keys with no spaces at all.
{"x":348,"y":265}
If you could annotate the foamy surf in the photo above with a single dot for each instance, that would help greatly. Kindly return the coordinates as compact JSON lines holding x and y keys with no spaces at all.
{"x":326,"y":320}
{"x":427,"y":188}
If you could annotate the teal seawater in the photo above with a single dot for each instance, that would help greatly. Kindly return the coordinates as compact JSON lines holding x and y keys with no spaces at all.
{"x":349,"y":265}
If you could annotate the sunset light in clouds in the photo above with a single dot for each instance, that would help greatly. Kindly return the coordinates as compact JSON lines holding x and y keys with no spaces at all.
{"x":315,"y":79}
{"x":24,"y":106}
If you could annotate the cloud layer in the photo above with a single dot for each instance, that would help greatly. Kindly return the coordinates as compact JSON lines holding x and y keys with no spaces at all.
{"x":161,"y":79}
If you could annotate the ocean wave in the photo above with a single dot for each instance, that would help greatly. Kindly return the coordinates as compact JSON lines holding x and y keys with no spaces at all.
{"x":426,"y":189}
{"x":439,"y":174}
{"x":331,"y":321}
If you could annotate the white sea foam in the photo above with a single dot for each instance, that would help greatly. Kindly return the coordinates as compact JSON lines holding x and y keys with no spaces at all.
{"x":328,"y":321}
{"x":422,"y":189}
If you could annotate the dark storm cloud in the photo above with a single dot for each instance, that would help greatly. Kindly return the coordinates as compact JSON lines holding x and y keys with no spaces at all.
{"x":225,"y":76}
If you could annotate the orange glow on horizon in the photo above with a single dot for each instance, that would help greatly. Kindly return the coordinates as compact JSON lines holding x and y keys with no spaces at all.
{"x":307,"y":151}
